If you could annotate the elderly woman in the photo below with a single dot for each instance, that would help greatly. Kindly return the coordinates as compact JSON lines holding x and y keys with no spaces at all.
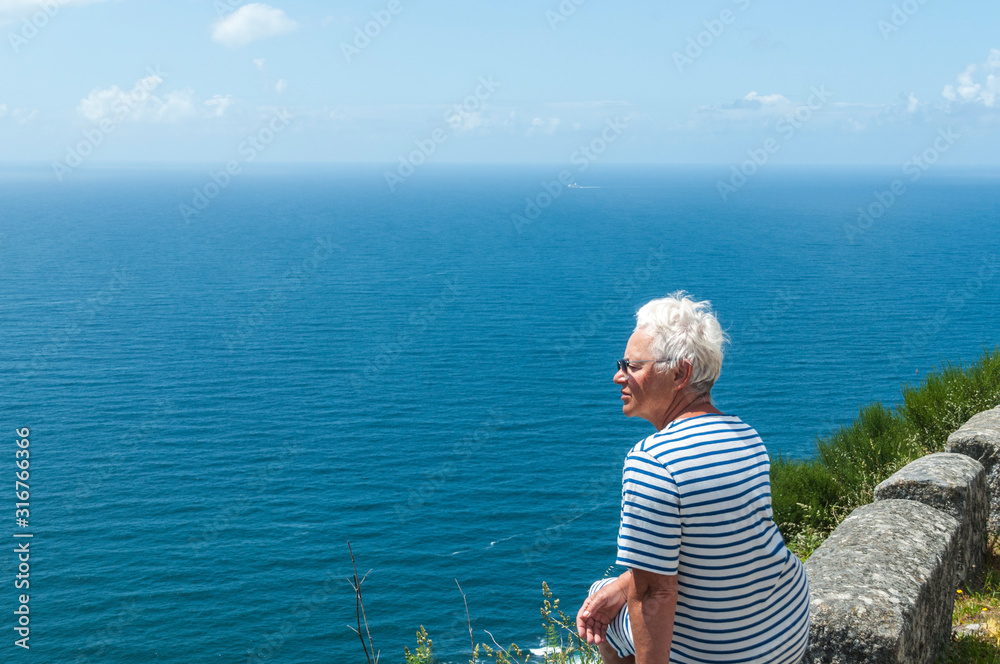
{"x":709,"y":577}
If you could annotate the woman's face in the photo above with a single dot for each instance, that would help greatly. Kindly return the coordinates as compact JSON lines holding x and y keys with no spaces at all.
{"x":646,"y":392}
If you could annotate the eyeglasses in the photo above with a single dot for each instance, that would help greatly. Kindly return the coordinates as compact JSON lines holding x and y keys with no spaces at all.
{"x":625,"y":365}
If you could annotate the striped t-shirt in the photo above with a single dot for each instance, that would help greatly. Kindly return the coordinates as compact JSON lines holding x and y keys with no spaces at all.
{"x":696,"y":502}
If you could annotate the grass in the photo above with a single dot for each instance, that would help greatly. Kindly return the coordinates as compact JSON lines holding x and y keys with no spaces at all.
{"x":561,"y":645}
{"x":810,"y":498}
{"x":978,"y":604}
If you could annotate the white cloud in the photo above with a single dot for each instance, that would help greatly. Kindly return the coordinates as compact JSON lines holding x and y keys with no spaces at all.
{"x":461,"y":120}
{"x":775,"y":112}
{"x":853,"y":125}
{"x":765,"y":100}
{"x":26,"y":8}
{"x":752,"y":107}
{"x":140,"y":104}
{"x":259,"y":63}
{"x":175,"y":106}
{"x":466,"y":121}
{"x":23,"y":115}
{"x":18,"y":5}
{"x":543,"y":126}
{"x":19,"y":115}
{"x":114,"y":101}
{"x":912,"y":103}
{"x":969,"y":90}
{"x":251,"y":22}
{"x":281,"y":86}
{"x":604,"y":106}
{"x":489,"y":120}
{"x":221,"y":103}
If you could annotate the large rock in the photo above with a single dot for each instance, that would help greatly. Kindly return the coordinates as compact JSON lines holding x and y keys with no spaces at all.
{"x":979,"y":438}
{"x":882,"y":586}
{"x":953,"y":483}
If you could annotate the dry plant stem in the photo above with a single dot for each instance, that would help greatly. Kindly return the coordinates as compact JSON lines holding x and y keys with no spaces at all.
{"x":500,"y":647}
{"x":468,"y":620}
{"x":360,"y":610}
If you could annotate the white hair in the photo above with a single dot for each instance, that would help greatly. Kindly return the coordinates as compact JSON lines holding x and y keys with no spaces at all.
{"x":684,"y":329}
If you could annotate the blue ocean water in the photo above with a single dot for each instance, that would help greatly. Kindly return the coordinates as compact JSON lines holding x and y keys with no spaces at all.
{"x":218,"y":404}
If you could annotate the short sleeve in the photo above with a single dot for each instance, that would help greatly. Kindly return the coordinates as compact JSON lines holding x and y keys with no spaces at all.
{"x":649,"y":537}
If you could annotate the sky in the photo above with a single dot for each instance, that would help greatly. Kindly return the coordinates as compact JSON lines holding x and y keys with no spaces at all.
{"x":499,"y":81}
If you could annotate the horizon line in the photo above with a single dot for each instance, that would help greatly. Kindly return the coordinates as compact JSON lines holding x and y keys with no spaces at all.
{"x":522,"y":164}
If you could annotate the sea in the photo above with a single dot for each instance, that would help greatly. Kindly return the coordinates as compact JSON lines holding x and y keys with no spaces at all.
{"x":240,"y":392}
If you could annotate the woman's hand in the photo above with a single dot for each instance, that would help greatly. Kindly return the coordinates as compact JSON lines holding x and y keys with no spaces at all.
{"x":600,"y":609}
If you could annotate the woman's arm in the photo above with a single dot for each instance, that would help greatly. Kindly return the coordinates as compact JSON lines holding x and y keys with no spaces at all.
{"x":652,"y":602}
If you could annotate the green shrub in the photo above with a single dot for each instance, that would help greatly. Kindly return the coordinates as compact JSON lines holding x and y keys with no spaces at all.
{"x":946,"y":399}
{"x":811,"y":497}
{"x":802,"y":492}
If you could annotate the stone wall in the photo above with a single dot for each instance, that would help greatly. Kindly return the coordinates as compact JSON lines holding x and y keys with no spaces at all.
{"x":883,"y":584}
{"x":956,"y":485}
{"x":979,"y":438}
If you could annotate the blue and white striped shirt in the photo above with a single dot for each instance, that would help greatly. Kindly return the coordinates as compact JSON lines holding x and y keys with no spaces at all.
{"x":696,"y":502}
